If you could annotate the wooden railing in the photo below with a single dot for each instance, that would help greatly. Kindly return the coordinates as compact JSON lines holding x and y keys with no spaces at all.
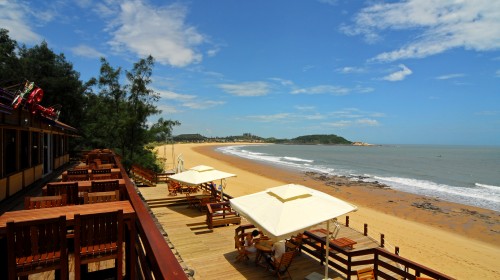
{"x":385,"y":264}
{"x":155,"y":259}
{"x":148,"y":177}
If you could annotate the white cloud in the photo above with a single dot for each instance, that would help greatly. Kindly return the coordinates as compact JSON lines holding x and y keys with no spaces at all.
{"x":350,"y":70}
{"x":158,"y":31}
{"x":283,"y":82}
{"x":450,"y":76}
{"x":367,"y":122}
{"x":170,"y":95}
{"x":168,"y":109}
{"x":329,"y":2}
{"x":202,"y":104}
{"x":305,"y":108}
{"x":87,"y":51}
{"x":307,"y":68}
{"x":349,"y":123}
{"x":340,"y":124}
{"x":443,"y":25}
{"x":270,"y":118}
{"x":13,"y":17}
{"x":329,"y":89}
{"x":322,"y":89}
{"x":398,"y":75}
{"x":188,"y":101}
{"x":246,"y":89}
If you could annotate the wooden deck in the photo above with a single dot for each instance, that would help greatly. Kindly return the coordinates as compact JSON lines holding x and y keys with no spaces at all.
{"x":211,"y":253}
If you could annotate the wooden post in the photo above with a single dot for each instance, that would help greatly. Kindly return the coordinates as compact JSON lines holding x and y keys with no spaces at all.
{"x":366,"y":230}
{"x":396,"y":250}
{"x":382,"y":240}
{"x":347,"y":221}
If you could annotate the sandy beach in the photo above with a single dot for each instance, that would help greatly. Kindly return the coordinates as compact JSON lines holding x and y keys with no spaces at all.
{"x":460,"y":241}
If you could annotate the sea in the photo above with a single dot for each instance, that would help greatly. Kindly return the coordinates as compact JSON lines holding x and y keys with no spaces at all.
{"x":467,"y":175}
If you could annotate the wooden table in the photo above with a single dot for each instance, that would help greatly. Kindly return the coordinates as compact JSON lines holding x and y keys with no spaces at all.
{"x":70,"y":211}
{"x":342,"y":242}
{"x":84,"y":186}
{"x":114,"y":171}
{"x":263,"y":247}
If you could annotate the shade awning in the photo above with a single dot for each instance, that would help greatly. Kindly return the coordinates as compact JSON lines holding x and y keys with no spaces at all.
{"x":287,"y":210}
{"x":200,"y":174}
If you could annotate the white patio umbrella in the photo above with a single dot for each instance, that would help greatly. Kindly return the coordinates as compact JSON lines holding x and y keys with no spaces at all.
{"x":283,"y":211}
{"x":201,"y":174}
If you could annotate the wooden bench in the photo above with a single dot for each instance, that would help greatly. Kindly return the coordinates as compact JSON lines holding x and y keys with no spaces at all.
{"x":221,"y":214}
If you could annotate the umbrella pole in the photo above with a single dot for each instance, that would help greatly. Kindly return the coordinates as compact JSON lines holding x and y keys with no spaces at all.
{"x":327,"y":248}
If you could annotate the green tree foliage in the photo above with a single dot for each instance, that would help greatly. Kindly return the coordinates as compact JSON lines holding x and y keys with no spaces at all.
{"x":320,"y":139}
{"x":9,"y":63}
{"x":117,"y":115}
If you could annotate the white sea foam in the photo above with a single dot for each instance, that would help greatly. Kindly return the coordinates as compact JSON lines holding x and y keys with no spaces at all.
{"x":298,"y":159}
{"x":481,"y":195}
{"x":495,"y":188}
{"x":466,"y":195}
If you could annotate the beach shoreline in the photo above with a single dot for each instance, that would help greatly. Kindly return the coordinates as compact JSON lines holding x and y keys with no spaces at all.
{"x":459,"y":240}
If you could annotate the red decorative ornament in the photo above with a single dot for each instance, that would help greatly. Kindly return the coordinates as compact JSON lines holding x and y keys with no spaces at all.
{"x":35,"y":96}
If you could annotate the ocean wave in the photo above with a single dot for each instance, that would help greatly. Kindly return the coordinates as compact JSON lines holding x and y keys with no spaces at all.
{"x":495,"y":188}
{"x":299,"y":159}
{"x":482,"y":197}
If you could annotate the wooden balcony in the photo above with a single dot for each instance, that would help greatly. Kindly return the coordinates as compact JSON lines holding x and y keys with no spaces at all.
{"x":173,"y":241}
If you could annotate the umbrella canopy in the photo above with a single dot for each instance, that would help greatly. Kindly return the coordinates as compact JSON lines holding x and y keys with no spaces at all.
{"x":287,"y":210}
{"x":200,"y":174}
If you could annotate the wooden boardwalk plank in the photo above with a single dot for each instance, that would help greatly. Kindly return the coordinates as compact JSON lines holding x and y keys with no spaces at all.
{"x":211,"y":253}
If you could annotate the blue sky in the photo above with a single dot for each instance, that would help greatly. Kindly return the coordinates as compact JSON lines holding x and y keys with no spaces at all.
{"x":385,"y":72}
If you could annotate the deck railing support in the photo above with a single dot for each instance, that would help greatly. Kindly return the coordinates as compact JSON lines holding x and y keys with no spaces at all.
{"x":366,"y":230}
{"x":382,"y":240}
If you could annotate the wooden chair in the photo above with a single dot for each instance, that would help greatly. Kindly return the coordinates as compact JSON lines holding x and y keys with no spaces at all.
{"x":202,"y":204}
{"x":101,"y":171}
{"x":104,"y":186}
{"x":366,"y":274}
{"x":83,"y":166}
{"x":239,"y":244}
{"x":105,"y":166}
{"x":98,"y":197}
{"x":192,"y":201}
{"x":37,"y":202}
{"x":172,"y":188}
{"x":77,"y":175}
{"x":70,"y":189}
{"x":98,"y":237}
{"x":102,"y":174}
{"x":281,"y":268}
{"x":36,"y":246}
{"x":424,"y":278}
